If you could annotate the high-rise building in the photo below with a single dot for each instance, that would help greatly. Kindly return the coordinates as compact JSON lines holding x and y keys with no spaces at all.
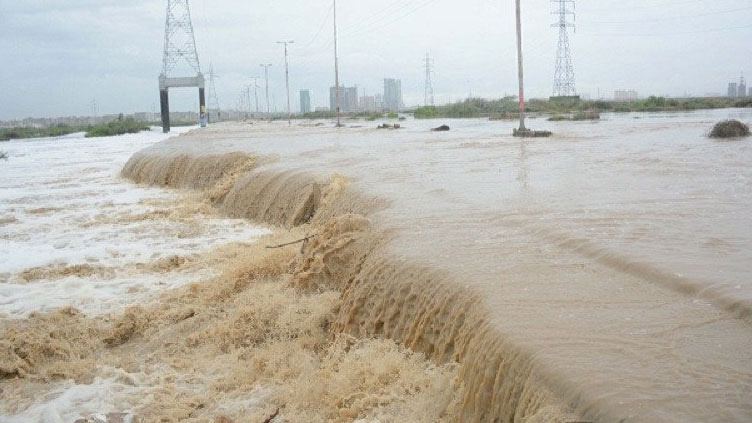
{"x":742,"y":89}
{"x":367,"y":103}
{"x":348,"y":99}
{"x":392,"y":94}
{"x":732,"y":90}
{"x":305,"y":102}
{"x":625,"y":95}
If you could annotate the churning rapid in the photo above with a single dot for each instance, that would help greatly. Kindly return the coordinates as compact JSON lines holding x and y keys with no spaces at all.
{"x":600,"y":275}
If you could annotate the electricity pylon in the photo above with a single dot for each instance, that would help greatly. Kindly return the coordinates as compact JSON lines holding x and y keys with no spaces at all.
{"x":179,"y":48}
{"x":564,"y":85}
{"x":428,"y":99}
{"x":213,"y":99}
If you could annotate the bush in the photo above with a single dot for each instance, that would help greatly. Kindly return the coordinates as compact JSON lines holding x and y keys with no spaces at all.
{"x":587,"y":115}
{"x":729,"y":129}
{"x":426,"y":112}
{"x":118,"y":127}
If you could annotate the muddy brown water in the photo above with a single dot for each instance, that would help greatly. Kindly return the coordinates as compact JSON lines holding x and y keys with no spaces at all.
{"x":610,"y":263}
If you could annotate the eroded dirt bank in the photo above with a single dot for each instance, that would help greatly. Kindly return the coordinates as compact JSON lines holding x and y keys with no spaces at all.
{"x":377,"y":296}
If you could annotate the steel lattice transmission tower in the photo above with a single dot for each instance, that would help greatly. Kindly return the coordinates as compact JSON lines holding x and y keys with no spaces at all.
{"x":180,"y":49}
{"x":428,"y":99}
{"x":213,"y":98}
{"x":564,"y":85}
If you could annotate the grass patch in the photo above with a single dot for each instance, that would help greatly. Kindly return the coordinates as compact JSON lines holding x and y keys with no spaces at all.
{"x":118,"y":127}
{"x":572,"y":109}
{"x":7,"y":134}
{"x":729,"y":129}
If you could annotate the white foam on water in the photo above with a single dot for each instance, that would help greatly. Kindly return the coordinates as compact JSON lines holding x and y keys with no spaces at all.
{"x":114,"y":391}
{"x":57,"y":195}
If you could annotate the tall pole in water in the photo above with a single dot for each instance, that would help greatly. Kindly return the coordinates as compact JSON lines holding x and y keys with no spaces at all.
{"x":336,"y":66}
{"x":255,"y":92}
{"x":266,"y":77}
{"x":287,"y":81}
{"x":519,"y":69}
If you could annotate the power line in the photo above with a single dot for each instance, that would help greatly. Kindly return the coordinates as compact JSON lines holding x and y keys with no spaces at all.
{"x":321,"y":28}
{"x":672,"y":18}
{"x":376,"y":24}
{"x":667,"y":34}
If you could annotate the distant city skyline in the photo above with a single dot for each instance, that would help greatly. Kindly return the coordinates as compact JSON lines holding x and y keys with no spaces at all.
{"x":61,"y":57}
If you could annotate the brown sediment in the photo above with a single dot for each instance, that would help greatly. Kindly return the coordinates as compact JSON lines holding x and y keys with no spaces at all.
{"x":57,"y":271}
{"x":415,"y":307}
{"x":6,"y":220}
{"x":43,"y":210}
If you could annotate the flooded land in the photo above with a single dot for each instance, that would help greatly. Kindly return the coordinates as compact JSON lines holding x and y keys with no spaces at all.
{"x":602,"y":274}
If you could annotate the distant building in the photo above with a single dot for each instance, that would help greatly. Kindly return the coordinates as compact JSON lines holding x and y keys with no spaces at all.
{"x":741,"y":91}
{"x":625,"y":95}
{"x":392,"y":94}
{"x":348,"y":99}
{"x":367,"y":103}
{"x":305,"y":101}
{"x":732,"y":90}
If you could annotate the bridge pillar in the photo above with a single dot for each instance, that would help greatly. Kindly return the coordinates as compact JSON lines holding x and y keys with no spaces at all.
{"x":164,"y":103}
{"x":202,"y":107}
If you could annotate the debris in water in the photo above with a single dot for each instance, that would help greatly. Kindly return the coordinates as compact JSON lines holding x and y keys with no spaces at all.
{"x":442,"y":128}
{"x":729,"y":129}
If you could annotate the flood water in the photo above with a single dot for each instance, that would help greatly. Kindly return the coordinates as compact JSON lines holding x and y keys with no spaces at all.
{"x":84,"y":236}
{"x":617,"y":253}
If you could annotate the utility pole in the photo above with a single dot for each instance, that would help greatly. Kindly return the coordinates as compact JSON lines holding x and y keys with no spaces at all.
{"x":564,"y":85}
{"x":255,"y":92}
{"x":287,"y":81}
{"x":248,"y":99}
{"x":522,"y":131}
{"x":428,"y":94}
{"x":336,"y":67}
{"x":266,"y":77}
{"x":519,"y":68}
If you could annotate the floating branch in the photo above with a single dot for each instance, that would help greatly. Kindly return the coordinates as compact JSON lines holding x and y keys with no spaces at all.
{"x":292,"y":243}
{"x":270,"y":418}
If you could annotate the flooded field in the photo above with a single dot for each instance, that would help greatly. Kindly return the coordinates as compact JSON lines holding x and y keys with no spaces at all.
{"x":602,"y":274}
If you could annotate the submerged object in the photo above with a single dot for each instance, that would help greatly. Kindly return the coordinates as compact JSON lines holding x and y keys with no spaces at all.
{"x":442,"y":128}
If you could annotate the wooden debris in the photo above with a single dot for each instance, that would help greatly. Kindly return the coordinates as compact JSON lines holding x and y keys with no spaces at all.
{"x":286,"y":244}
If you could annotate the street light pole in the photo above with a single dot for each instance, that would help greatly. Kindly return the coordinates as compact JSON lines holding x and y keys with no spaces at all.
{"x":287,"y":81}
{"x":336,"y":66}
{"x":266,"y":77}
{"x":255,"y":93}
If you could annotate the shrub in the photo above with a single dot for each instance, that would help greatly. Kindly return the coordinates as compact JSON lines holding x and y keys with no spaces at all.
{"x":729,"y":129}
{"x":426,"y":112}
{"x":118,"y":127}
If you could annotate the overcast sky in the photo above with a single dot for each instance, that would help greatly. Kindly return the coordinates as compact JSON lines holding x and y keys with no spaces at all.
{"x":59,"y":56}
